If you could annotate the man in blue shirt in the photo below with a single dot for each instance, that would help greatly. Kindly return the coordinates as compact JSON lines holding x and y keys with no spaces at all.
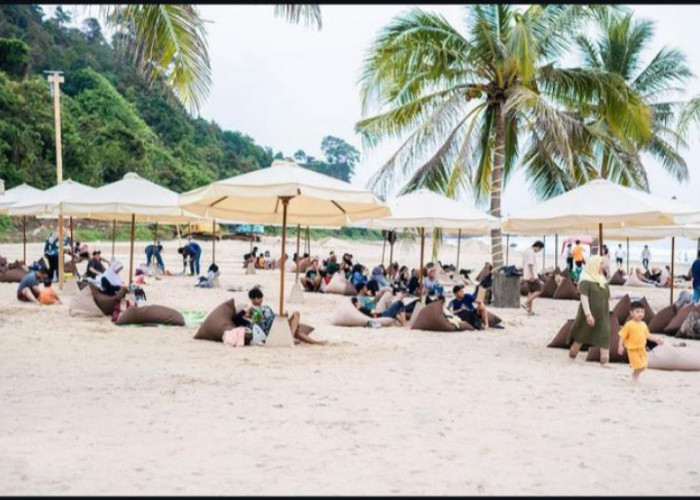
{"x":695,"y":273}
{"x":193,"y":252}
{"x":154,"y":252}
{"x":28,"y":288}
{"x":463,"y":306}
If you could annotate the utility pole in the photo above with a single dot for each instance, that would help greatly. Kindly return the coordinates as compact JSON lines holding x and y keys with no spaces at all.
{"x":55,"y":80}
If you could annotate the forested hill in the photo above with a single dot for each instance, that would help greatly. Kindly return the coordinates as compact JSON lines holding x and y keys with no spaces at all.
{"x":112,"y":122}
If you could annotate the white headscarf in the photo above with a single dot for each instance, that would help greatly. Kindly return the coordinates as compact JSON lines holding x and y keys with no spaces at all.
{"x":112,"y":273}
{"x":591,"y":272}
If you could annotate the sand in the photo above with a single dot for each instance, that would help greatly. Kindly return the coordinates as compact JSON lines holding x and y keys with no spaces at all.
{"x":90,"y":408}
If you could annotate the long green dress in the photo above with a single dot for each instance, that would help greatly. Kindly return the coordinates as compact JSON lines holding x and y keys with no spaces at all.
{"x":599,"y":302}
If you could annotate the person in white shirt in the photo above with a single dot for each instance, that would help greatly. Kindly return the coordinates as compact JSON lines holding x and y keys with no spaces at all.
{"x":530,"y":275}
{"x":619,"y":256}
{"x":646,"y":256}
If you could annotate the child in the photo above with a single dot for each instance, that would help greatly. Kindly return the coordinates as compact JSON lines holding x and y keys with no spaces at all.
{"x":47,"y":295}
{"x":633,"y":336}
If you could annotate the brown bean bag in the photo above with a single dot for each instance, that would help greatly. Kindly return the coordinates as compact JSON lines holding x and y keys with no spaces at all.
{"x":550,"y":286}
{"x":493,"y":319}
{"x":17,"y":264}
{"x":348,"y":315}
{"x":668,"y":357}
{"x":105,"y":302}
{"x":594,"y":352}
{"x":662,"y":319}
{"x":217,"y":322}
{"x":617,"y":278}
{"x":566,"y":290}
{"x":69,"y":267}
{"x":432,"y":318}
{"x":482,"y":274}
{"x":523,"y":288}
{"x":648,"y":311}
{"x":83,"y":305}
{"x":690,"y":329}
{"x":559,"y":340}
{"x":622,"y":309}
{"x":151,"y":315}
{"x":675,"y":324}
{"x":349,"y":289}
{"x":12,"y":275}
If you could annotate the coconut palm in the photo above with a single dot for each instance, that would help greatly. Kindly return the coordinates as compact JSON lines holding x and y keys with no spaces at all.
{"x":466,"y":100}
{"x":618,"y":50}
{"x":168,"y":41}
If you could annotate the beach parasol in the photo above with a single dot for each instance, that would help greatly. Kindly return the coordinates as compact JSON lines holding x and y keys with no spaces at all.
{"x":284,"y":193}
{"x":12,"y":196}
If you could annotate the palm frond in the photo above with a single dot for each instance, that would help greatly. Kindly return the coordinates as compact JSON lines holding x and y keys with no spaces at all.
{"x":668,"y":66}
{"x":690,"y":115}
{"x":310,"y":14}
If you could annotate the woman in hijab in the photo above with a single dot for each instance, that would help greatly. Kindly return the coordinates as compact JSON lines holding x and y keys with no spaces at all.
{"x":592,"y":323}
{"x":111,"y":282}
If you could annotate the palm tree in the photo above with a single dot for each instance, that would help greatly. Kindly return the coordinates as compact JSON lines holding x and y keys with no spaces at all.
{"x":618,"y":50}
{"x":168,"y":41}
{"x":468,"y":99}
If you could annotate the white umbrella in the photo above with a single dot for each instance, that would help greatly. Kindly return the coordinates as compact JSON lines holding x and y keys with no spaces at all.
{"x":288,"y":194}
{"x":12,"y":196}
{"x":132,"y":198}
{"x":425,"y":209}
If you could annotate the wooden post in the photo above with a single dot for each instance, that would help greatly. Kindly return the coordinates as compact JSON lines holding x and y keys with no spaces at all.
{"x":213,"y":241}
{"x":24,"y":237}
{"x":72,"y":242}
{"x":383,"y":246}
{"x":114,"y":236}
{"x":391,"y":248}
{"x":459,"y":241}
{"x":420,"y":271}
{"x":600,"y":239}
{"x":155,"y":236}
{"x":544,"y":252}
{"x":189,"y":233}
{"x":628,"y":256}
{"x":507,"y":247}
{"x":308,"y":241}
{"x":285,"y":202}
{"x":556,"y":251}
{"x":61,"y":254}
{"x":131,"y":252}
{"x":673,"y":260}
{"x":56,"y":78}
{"x":298,"y":260}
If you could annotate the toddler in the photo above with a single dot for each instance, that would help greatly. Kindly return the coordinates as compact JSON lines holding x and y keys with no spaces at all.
{"x":633,"y":337}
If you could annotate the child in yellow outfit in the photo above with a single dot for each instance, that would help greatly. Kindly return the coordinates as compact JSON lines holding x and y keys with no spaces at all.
{"x":633,"y":337}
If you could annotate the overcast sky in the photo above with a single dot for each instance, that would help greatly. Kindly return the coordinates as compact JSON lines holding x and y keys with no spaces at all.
{"x":288,"y":86}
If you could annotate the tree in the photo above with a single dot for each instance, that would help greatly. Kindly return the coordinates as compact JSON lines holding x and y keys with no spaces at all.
{"x":93,"y":30}
{"x":14,"y":56}
{"x":300,"y":156}
{"x":468,"y":100}
{"x":615,"y":153}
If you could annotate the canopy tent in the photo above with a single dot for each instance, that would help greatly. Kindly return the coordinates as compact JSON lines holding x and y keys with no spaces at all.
{"x":12,"y":196}
{"x":284,"y":193}
{"x":132,"y":198}
{"x":425,"y":209}
{"x":49,"y":203}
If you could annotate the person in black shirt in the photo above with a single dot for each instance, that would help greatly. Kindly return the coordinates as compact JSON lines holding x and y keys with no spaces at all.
{"x":312,"y":279}
{"x":94,"y":265}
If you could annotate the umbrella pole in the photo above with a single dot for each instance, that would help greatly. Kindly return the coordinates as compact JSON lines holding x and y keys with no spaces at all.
{"x":628,"y":255}
{"x":24,"y":237}
{"x":383,"y":248}
{"x":673,"y":260}
{"x":131,"y":251}
{"x":114,"y":236}
{"x":298,"y":260}
{"x":391,"y":249}
{"x":155,"y":236}
{"x":308,"y":240}
{"x":556,"y":251}
{"x":600,"y":239}
{"x":459,"y":242}
{"x":507,"y":247}
{"x":285,"y":202}
{"x":213,"y":241}
{"x":544,"y":252}
{"x":61,"y":255}
{"x":420,"y":272}
{"x":189,"y":233}
{"x":72,"y":244}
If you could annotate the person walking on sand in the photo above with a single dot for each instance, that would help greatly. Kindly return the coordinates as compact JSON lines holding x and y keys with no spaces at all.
{"x":530,"y":275}
{"x":646,"y":256}
{"x":620,"y":256}
{"x":592,"y":323}
{"x":633,"y":337}
{"x":578,"y":255}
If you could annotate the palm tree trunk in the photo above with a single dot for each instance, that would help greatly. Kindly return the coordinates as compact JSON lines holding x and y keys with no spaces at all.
{"x":499,"y":160}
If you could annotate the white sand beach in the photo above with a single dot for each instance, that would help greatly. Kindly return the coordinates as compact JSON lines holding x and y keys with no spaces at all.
{"x":91,"y":408}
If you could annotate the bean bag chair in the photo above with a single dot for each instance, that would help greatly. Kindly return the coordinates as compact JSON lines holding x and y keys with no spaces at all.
{"x":662,"y":319}
{"x":83,"y":305}
{"x":566,"y":291}
{"x":493,"y":319}
{"x":668,"y":357}
{"x":335,"y":285}
{"x":594,"y":352}
{"x":432,"y":318}
{"x":70,"y":267}
{"x":648,"y":311}
{"x":690,"y":329}
{"x":217,"y":322}
{"x":349,"y":289}
{"x":675,"y":324}
{"x":151,"y":315}
{"x":550,"y":286}
{"x":559,"y":340}
{"x":17,"y":264}
{"x":348,"y":315}
{"x":12,"y":275}
{"x":622,"y":309}
{"x":105,"y":302}
{"x":617,"y":278}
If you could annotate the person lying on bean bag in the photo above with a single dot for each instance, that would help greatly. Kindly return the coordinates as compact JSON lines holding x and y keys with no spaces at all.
{"x":468,"y":308}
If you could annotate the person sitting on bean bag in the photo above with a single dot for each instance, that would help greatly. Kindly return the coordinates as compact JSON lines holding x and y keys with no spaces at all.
{"x":463,"y":306}
{"x":397,"y":310}
{"x":312,"y":279}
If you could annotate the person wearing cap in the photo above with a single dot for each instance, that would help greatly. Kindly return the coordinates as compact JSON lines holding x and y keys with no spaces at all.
{"x":463,"y":306}
{"x":94,"y":265}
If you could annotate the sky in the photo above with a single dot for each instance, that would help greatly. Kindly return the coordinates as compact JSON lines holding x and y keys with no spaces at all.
{"x":287,"y":86}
